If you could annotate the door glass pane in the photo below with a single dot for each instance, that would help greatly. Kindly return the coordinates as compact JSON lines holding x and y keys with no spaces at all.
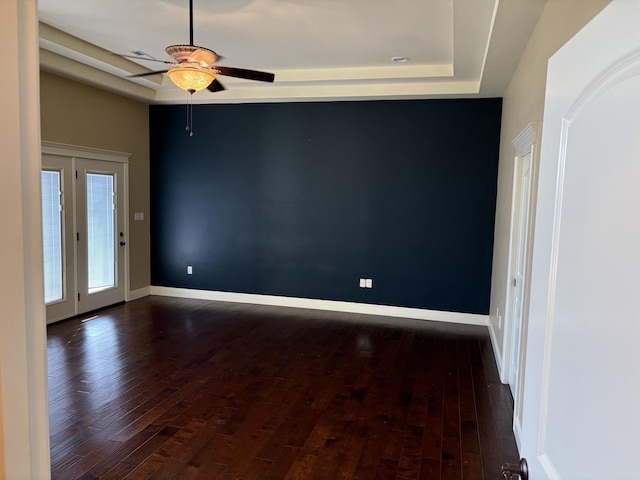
{"x":52,"y":235}
{"x":101,"y":240}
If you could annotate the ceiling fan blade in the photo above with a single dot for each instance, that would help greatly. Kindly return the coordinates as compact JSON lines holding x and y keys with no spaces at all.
{"x":142,"y":58}
{"x":244,"y":73}
{"x":216,"y":86}
{"x":146,"y":74}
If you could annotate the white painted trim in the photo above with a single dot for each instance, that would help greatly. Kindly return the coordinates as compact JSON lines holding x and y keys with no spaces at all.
{"x":139,"y":293}
{"x":23,"y":361}
{"x":487,"y":47}
{"x":496,"y":350}
{"x":331,"y":305}
{"x":525,"y":139}
{"x":66,"y":150}
{"x":517,"y":433}
{"x":549,"y":467}
{"x":127,"y":258}
{"x":524,"y":144}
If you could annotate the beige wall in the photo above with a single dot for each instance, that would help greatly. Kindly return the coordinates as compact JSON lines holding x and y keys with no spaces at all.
{"x":524,"y":104}
{"x":2,"y":474}
{"x":78,"y":114}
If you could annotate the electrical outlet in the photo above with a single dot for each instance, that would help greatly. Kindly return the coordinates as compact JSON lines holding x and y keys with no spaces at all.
{"x":189,"y":270}
{"x":363,"y":283}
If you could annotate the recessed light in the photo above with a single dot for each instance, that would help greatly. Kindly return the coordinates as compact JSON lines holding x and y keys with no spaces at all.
{"x":399,"y":59}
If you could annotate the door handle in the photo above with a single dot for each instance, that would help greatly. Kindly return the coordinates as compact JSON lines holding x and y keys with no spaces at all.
{"x":521,"y":470}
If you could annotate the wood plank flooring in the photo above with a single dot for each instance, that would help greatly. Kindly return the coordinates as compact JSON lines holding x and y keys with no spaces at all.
{"x":164,"y":388}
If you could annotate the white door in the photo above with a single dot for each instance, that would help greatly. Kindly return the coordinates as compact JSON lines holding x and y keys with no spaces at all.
{"x":521,"y":232}
{"x":84,"y":230}
{"x":581,"y":383}
{"x":57,"y":179}
{"x":101,"y":240}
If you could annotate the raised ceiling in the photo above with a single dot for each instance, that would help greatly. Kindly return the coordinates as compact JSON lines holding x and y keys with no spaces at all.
{"x":318,"y":49}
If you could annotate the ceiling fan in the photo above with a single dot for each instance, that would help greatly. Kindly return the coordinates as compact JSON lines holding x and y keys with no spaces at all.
{"x":193,"y":68}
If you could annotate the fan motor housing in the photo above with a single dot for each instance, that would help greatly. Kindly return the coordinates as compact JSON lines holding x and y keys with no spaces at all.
{"x":202,"y":56}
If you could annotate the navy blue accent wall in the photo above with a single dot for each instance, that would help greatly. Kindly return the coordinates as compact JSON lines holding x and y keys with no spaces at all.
{"x":303,"y":199}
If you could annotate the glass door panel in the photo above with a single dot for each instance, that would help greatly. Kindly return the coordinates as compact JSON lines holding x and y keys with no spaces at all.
{"x":52,"y":235}
{"x":101,"y":240}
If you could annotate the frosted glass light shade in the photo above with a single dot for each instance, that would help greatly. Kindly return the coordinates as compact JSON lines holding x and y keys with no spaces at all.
{"x":191,"y":79}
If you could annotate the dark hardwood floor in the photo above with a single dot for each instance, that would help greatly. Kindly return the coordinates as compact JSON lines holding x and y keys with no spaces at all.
{"x":167,"y":388}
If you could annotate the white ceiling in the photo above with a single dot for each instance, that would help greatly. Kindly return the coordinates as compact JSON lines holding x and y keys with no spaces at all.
{"x":318,"y":50}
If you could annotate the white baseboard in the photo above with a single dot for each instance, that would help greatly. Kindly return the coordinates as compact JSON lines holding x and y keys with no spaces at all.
{"x":139,"y":293}
{"x":496,"y":353}
{"x":331,"y":305}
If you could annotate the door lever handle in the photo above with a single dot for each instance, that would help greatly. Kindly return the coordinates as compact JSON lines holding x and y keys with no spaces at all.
{"x":521,"y":470}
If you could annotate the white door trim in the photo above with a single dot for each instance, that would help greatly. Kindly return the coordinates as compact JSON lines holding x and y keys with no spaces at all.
{"x":524,"y":144}
{"x":525,"y":140}
{"x":67,"y":150}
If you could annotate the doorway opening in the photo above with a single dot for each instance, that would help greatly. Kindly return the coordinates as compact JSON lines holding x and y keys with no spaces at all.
{"x":523,"y":199}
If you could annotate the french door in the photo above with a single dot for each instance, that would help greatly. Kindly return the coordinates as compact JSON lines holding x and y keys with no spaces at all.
{"x":84,"y":233}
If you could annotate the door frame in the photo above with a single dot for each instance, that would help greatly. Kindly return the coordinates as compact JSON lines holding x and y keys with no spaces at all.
{"x":524,"y":144}
{"x":73,"y":153}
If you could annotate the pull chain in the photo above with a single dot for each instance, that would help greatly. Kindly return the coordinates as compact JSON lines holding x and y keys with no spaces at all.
{"x":189,"y":127}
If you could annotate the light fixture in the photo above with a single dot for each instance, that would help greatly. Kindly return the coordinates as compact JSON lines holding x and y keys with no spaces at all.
{"x":191,"y":79}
